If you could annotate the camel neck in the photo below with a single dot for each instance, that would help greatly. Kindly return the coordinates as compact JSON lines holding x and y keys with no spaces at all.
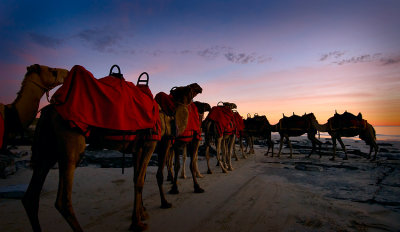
{"x":27,"y":102}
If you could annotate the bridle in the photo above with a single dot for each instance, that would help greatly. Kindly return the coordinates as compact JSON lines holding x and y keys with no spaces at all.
{"x":45,"y":88}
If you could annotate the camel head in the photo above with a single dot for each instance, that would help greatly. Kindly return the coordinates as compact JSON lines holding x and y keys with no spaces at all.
{"x":202,"y":107}
{"x":230,"y":105}
{"x":46,"y":77}
{"x":183,"y":96}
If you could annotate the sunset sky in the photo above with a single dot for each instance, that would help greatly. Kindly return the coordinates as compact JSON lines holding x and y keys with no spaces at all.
{"x":268,"y":57}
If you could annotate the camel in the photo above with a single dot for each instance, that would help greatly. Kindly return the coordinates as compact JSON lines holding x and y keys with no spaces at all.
{"x":18,"y":115}
{"x":296,"y":126}
{"x":223,"y":135}
{"x":258,"y":126}
{"x":349,"y":125}
{"x":57,"y":142}
{"x":165,"y":145}
{"x":202,"y":107}
{"x":240,"y":134}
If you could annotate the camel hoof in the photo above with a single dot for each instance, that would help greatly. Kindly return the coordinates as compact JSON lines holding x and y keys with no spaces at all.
{"x":138,"y":227}
{"x":198,"y":175}
{"x":166,"y":205}
{"x":209,"y":171}
{"x":230,"y":169}
{"x":197,"y":189}
{"x":174,"y":190}
{"x":224,"y":170}
{"x":183,"y":177}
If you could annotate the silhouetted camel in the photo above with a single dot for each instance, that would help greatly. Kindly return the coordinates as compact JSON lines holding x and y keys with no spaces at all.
{"x":258,"y":126}
{"x":349,"y":125}
{"x":296,"y":126}
{"x":18,"y":115}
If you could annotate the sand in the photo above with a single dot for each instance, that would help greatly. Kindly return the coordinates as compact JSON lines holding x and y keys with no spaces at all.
{"x":261,"y":194}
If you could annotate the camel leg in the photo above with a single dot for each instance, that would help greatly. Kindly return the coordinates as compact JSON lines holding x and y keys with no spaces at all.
{"x":280,"y":145}
{"x":334,"y":148}
{"x":241,"y":147}
{"x":31,"y":197}
{"x":193,"y":148}
{"x":170,"y":163}
{"x":290,"y":146}
{"x":218,"y":143}
{"x":64,"y":202}
{"x":230,"y":146}
{"x":143,"y":156}
{"x":196,"y":144}
{"x":343,"y":147}
{"x":234,"y":153}
{"x":184,"y":156}
{"x":251,"y":145}
{"x":165,"y":145}
{"x":178,"y":149}
{"x":71,"y":147}
{"x":314,"y":141}
{"x":208,"y":158}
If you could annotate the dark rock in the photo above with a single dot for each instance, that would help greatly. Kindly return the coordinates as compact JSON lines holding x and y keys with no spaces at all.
{"x":13,"y":191}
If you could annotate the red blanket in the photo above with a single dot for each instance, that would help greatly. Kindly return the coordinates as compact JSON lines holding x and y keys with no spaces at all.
{"x":109,"y":103}
{"x":166,"y":103}
{"x":193,"y":126}
{"x":238,"y":123}
{"x":223,"y":118}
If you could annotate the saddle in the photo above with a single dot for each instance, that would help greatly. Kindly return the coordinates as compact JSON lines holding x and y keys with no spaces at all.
{"x":109,"y":103}
{"x":346,"y":121}
{"x":293,"y":122}
{"x":223,"y":118}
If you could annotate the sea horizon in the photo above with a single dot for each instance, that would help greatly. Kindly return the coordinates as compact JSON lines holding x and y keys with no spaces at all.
{"x":383,"y":133}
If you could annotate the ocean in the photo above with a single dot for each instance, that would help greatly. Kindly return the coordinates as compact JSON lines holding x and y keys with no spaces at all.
{"x":383,"y":133}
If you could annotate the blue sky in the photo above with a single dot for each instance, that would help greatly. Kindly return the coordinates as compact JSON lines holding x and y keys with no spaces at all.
{"x":269,"y":57}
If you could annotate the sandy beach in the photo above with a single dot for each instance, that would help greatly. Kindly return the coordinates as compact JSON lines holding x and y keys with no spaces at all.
{"x":261,"y":194}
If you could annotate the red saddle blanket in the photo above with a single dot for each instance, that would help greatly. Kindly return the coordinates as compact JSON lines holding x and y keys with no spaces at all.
{"x":223,"y":118}
{"x":193,"y":125}
{"x":239,"y":124}
{"x":109,"y":103}
{"x":166,"y":103}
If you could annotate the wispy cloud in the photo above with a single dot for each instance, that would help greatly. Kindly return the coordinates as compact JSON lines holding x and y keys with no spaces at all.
{"x":334,"y":54}
{"x":100,"y":39}
{"x":337,"y":57}
{"x":46,"y":41}
{"x":211,"y":53}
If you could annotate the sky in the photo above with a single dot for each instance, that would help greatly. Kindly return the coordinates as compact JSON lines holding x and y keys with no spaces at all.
{"x":268,"y":57}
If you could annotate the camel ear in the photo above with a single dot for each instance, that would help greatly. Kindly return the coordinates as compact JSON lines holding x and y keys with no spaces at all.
{"x":181,"y":119}
{"x":33,"y":68}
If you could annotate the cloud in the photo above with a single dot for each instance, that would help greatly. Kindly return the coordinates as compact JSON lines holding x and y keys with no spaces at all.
{"x":337,"y":58}
{"x":390,"y":60}
{"x":101,"y":40}
{"x":334,"y":54}
{"x":243,"y":58}
{"x":46,"y":41}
